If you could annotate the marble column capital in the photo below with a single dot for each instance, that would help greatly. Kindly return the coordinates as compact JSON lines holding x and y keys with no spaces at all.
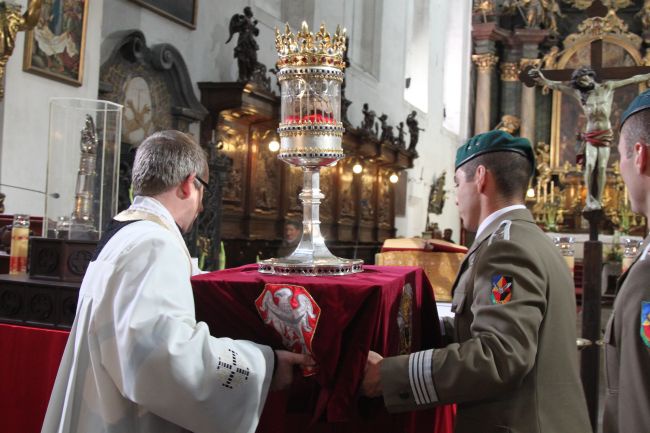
{"x":509,"y":71}
{"x":485,"y":62}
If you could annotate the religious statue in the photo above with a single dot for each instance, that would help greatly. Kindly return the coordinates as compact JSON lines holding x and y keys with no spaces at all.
{"x":83,"y":218}
{"x":386,"y":130}
{"x":551,"y":9}
{"x":400,"y":136}
{"x":368,"y":124}
{"x":12,"y":22}
{"x":414,"y":130}
{"x":483,"y":7}
{"x":644,"y":14}
{"x":549,"y":60}
{"x":246,"y":50}
{"x":509,"y":124}
{"x":596,"y":101}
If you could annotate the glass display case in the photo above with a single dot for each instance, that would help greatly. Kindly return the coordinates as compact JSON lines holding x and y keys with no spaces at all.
{"x":83,"y":168}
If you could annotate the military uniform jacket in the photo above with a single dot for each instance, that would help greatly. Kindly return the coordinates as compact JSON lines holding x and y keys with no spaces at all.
{"x":514,"y":366}
{"x":627,"y":351}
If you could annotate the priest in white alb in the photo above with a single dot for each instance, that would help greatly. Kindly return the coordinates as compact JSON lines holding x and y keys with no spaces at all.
{"x":136,"y":360}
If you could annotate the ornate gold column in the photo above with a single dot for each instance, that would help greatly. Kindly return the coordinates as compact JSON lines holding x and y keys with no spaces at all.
{"x":485,"y":65}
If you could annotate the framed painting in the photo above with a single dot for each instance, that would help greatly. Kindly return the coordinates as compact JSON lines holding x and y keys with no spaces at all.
{"x":55,"y":47}
{"x":181,"y":11}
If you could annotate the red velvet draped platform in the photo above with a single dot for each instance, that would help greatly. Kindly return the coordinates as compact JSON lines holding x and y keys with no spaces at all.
{"x":358,"y":313}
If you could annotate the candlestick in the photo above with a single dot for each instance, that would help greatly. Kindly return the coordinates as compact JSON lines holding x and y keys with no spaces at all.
{"x":552,"y":191}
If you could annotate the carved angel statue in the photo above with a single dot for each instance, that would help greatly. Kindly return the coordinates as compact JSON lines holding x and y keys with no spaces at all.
{"x":287,"y":321}
{"x":483,"y":7}
{"x":551,"y":10}
{"x":246,"y":49}
{"x":368,"y":123}
{"x":414,"y":130}
{"x":12,"y":22}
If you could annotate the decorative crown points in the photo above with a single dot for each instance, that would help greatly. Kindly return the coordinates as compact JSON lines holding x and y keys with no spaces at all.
{"x":308,"y":49}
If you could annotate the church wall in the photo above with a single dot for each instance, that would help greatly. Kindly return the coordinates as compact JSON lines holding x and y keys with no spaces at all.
{"x":25,"y":118}
{"x":208,"y":58}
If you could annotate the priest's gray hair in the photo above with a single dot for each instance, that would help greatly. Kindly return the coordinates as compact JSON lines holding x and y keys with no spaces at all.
{"x":164,"y":160}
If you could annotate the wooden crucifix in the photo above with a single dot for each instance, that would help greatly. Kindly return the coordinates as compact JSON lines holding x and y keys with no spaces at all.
{"x":593,"y":86}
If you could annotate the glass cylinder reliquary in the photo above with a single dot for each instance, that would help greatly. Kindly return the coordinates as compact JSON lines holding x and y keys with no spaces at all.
{"x":310,"y":73}
{"x":83,"y":168}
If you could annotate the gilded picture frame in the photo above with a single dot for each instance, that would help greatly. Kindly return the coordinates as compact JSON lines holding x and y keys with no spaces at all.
{"x":181,"y":11}
{"x":55,"y":47}
{"x":568,"y":117}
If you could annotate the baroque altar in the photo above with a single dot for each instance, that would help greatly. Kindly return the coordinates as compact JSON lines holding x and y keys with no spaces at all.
{"x":559,"y":36}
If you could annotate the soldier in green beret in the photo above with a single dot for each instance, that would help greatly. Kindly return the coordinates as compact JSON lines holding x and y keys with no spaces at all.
{"x":512,"y":364}
{"x":627,"y":335}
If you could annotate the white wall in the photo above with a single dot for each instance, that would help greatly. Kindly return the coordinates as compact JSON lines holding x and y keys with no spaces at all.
{"x":209,"y":59}
{"x":24,"y":130}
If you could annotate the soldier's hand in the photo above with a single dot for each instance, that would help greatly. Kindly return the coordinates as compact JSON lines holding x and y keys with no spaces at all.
{"x":371,"y":384}
{"x":286,"y":361}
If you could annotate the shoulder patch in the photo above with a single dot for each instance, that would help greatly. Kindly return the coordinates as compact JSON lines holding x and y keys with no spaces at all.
{"x":502,"y":233}
{"x":645,"y":322}
{"x":501,"y":289}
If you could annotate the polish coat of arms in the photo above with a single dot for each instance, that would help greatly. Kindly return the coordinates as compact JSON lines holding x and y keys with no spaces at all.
{"x":293,"y":313}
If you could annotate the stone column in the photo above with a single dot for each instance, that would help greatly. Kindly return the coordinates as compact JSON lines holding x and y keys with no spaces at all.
{"x":485,"y":66}
{"x":530,"y":40}
{"x":485,"y":36}
{"x":510,"y":85}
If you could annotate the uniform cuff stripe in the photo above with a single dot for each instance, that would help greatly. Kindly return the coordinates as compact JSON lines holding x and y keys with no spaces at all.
{"x":420,"y":376}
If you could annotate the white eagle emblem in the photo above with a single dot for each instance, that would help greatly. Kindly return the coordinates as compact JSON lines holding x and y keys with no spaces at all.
{"x":292,"y":312}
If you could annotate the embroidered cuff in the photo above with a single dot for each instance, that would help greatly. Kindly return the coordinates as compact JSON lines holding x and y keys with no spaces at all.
{"x":421,"y":378}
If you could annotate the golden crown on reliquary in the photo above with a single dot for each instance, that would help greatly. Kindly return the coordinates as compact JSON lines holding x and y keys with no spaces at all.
{"x":308,"y":49}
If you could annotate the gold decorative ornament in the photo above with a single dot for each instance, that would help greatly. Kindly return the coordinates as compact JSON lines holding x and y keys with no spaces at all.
{"x":524,"y":63}
{"x":599,"y":27}
{"x":485,"y":62}
{"x":509,"y":71}
{"x":12,"y":22}
{"x":308,"y":49}
{"x":509,"y":124}
{"x":610,"y":4}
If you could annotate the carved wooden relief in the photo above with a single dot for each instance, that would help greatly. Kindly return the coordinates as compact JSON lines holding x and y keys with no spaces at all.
{"x":368,"y":194}
{"x":266,"y":181}
{"x":384,"y":200}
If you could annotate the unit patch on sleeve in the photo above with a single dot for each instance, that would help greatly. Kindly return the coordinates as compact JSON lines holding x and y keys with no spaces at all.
{"x":501,"y":289}
{"x":645,"y":322}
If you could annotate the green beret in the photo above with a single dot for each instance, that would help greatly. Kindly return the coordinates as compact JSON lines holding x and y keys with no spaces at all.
{"x":494,"y":141}
{"x":640,"y":103}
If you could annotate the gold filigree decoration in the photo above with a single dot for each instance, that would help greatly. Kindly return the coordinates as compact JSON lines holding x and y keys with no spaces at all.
{"x":509,"y":71}
{"x":611,"y":4}
{"x":485,"y":62}
{"x":599,"y":27}
{"x":308,"y":49}
{"x":524,"y":63}
{"x":509,"y":124}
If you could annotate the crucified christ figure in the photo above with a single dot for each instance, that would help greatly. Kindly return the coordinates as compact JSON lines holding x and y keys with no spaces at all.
{"x":596,"y":101}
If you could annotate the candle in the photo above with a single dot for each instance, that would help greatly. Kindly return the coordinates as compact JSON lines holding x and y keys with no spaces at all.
{"x":545,"y":193}
{"x":626,"y":197}
{"x":539,"y":191}
{"x":552,"y":191}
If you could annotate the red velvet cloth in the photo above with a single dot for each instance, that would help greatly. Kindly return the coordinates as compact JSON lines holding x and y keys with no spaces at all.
{"x":358,"y":314}
{"x":29,"y":361}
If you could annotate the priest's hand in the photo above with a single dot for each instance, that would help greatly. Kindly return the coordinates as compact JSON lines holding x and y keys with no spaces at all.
{"x":371,"y":384}
{"x":285,"y":363}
